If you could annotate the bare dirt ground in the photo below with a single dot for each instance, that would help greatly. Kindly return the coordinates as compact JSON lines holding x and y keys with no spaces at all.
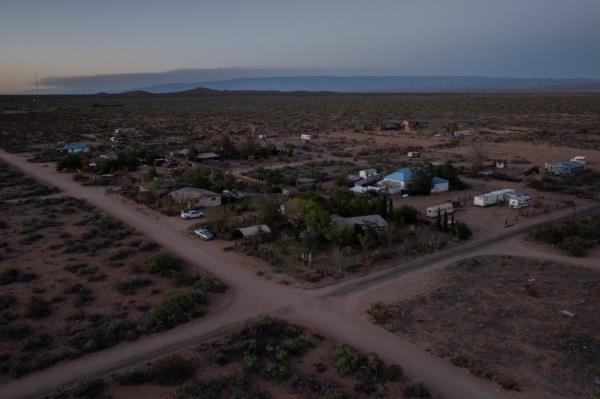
{"x":500,"y":317}
{"x":286,"y":362}
{"x":74,"y":280}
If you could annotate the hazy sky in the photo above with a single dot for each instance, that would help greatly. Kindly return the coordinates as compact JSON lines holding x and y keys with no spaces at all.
{"x":523,"y":38}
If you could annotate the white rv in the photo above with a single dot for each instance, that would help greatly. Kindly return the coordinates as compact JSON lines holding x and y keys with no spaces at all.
{"x":493,"y":197}
{"x":433,"y":211}
{"x":518,"y":200}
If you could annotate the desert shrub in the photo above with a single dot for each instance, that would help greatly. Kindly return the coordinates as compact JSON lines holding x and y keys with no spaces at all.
{"x":13,"y":275}
{"x":271,"y":338}
{"x":417,"y":391}
{"x":463,"y":232}
{"x":164,"y":264}
{"x":317,"y":386}
{"x":210,"y":389}
{"x":573,"y":236}
{"x":202,"y":282}
{"x":14,"y":332}
{"x":132,"y":285}
{"x":83,"y":293}
{"x":179,"y":308}
{"x":172,"y":370}
{"x":69,"y":162}
{"x":380,"y":313}
{"x":149,"y":246}
{"x":405,"y":214}
{"x":38,"y":342}
{"x":277,"y":371}
{"x":7,"y":301}
{"x":105,"y":331}
{"x":462,"y":361}
{"x":347,"y":360}
{"x":90,"y":388}
{"x":81,"y":269}
{"x":39,"y":308}
{"x":574,"y":246}
{"x":119,"y":255}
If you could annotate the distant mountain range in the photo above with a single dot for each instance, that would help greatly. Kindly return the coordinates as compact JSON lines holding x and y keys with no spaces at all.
{"x":378,"y":84}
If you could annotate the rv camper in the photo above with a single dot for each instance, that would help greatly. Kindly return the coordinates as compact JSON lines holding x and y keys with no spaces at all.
{"x":433,"y":211}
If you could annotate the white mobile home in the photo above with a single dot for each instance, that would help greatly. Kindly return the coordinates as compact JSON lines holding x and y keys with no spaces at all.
{"x":305,"y":137}
{"x":485,"y":200}
{"x":492,"y":198}
{"x":433,"y":211}
{"x":518,"y":200}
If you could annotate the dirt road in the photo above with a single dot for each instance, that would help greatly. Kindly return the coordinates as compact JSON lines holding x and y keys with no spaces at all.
{"x":336,"y":311}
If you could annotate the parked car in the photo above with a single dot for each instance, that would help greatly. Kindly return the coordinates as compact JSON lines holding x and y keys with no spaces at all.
{"x":205,"y":234}
{"x":191,"y":214}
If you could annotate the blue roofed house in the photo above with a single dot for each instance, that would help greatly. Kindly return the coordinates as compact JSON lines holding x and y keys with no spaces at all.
{"x":395,"y":182}
{"x":439,"y":185}
{"x":398,"y":181}
{"x":75,"y":148}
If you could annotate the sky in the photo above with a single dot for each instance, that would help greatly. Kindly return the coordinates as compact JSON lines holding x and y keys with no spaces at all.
{"x":78,"y":38}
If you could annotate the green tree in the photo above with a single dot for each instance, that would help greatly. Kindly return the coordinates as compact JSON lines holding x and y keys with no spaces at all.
{"x":420,"y":184}
{"x":69,"y":162}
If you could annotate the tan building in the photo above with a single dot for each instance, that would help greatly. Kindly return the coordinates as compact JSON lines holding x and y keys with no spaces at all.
{"x":190,"y":197}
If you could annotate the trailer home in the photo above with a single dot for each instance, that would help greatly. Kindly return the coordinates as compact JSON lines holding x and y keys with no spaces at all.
{"x":433,"y":211}
{"x":518,"y":200}
{"x":492,"y":198}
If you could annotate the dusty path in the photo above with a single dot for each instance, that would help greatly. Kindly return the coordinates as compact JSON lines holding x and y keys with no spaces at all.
{"x":335,"y":311}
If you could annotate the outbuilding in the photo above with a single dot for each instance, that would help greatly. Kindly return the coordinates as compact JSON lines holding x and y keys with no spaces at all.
{"x":564,"y":168}
{"x":251,"y":231}
{"x":189,"y":197}
{"x":434,"y":211}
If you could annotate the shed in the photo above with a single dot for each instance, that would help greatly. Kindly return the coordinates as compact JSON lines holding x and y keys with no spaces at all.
{"x":252,"y":231}
{"x":375,"y":221}
{"x":303,"y":181}
{"x":207,"y":156}
{"x":439,"y":185}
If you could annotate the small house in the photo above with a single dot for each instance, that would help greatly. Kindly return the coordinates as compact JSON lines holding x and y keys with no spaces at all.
{"x":251,"y":231}
{"x":413,"y":154}
{"x":398,"y":181}
{"x":189,"y":197}
{"x":305,"y":137}
{"x":439,"y":185}
{"x":395,"y":182}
